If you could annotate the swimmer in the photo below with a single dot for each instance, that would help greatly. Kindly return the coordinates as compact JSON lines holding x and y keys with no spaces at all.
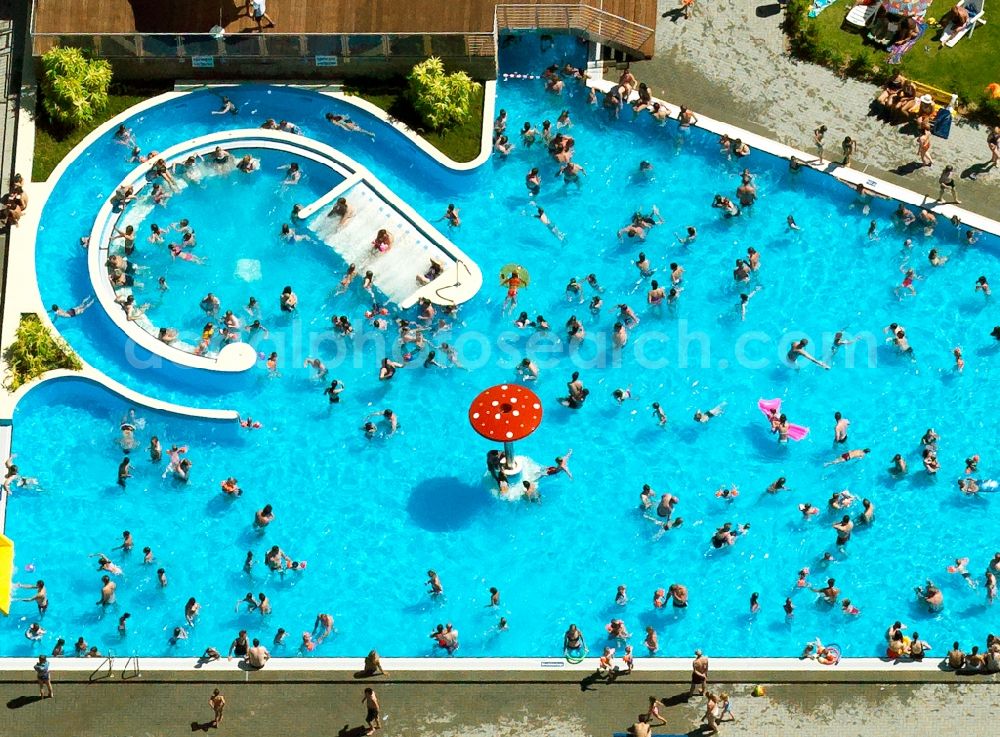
{"x":959,"y":360}
{"x":527,"y":370}
{"x":73,"y":311}
{"x":344,"y":122}
{"x":849,"y":455}
{"x":728,"y":494}
{"x":317,"y":365}
{"x":561,"y":465}
{"x":983,"y":286}
{"x":322,"y":625}
{"x":544,"y":220}
{"x":621,"y":395}
{"x":451,"y":215}
{"x":931,"y":595}
{"x":619,"y":336}
{"x":247,"y":164}
{"x":792,"y":224}
{"x":570,"y":172}
{"x":692,"y":235}
{"x":808,"y":510}
{"x":341,"y":209}
{"x":263,"y":517}
{"x":798,"y":349}
{"x":960,"y":568}
{"x":642,"y":263}
{"x":745,"y":301}
{"x":829,"y":592}
{"x":700,"y":416}
{"x":843,"y":528}
{"x":659,"y":414}
{"x":777,"y":485}
{"x":228,"y":107}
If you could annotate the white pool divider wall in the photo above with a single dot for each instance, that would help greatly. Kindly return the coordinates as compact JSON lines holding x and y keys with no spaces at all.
{"x":416,"y":241}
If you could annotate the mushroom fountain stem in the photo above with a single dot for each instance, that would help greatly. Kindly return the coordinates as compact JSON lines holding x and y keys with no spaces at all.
{"x":509,"y":463}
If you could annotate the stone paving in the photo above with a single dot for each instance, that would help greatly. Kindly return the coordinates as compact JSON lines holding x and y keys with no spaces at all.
{"x":145,"y":708}
{"x":729,"y":62}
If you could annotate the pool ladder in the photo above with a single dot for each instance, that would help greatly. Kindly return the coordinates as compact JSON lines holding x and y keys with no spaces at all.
{"x":106,"y":669}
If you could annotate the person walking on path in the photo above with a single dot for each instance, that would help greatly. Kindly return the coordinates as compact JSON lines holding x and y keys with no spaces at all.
{"x":218,"y":704}
{"x":924,"y":147}
{"x":849,"y":147}
{"x":44,"y":677}
{"x":947,"y":182}
{"x":372,"y":719}
{"x":818,"y":140}
{"x":699,"y":673}
{"x":993,"y":143}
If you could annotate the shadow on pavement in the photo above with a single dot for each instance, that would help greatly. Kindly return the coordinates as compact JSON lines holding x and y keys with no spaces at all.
{"x":22,"y":701}
{"x":349,"y":731}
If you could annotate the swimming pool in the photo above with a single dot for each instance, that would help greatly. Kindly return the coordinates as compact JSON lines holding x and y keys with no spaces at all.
{"x":371,"y":517}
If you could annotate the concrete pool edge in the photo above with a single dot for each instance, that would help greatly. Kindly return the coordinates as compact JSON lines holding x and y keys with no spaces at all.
{"x":846,"y":175}
{"x":554,"y":670}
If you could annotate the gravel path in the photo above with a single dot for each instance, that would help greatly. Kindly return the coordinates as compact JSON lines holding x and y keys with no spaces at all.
{"x":729,"y":62}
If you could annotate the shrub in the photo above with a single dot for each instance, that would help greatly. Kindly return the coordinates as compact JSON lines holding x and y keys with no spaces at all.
{"x":74,"y":88}
{"x":442,"y":100}
{"x":34,"y":351}
{"x":989,"y":109}
{"x":860,"y":65}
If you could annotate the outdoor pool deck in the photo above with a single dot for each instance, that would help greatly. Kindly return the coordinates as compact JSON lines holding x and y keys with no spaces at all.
{"x":499,"y":705}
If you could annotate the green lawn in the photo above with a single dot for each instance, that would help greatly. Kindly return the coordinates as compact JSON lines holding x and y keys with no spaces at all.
{"x":965,"y":69}
{"x":460,"y":144}
{"x":53,"y":143}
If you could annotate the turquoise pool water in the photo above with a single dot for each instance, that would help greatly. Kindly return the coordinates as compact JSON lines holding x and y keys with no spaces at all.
{"x":371,"y":517}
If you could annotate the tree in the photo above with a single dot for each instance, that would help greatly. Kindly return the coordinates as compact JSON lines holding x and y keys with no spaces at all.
{"x":74,"y":88}
{"x":443,"y":100}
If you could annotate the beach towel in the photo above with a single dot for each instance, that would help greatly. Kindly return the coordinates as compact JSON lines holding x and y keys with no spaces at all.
{"x":795,"y":432}
{"x":819,"y":6}
{"x":896,"y":51}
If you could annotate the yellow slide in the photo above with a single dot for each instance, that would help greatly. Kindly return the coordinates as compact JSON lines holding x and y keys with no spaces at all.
{"x":6,"y":572}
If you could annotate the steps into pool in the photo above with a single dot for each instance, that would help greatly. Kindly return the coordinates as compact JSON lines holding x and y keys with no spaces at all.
{"x":412,"y":249}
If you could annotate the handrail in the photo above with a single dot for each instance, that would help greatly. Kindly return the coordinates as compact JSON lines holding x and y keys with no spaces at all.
{"x":109,"y":661}
{"x":577,"y":16}
{"x":272,"y":45}
{"x":134,"y":673}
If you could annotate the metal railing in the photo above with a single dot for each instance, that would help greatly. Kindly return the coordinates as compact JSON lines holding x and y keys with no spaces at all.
{"x":575,"y":17}
{"x":352,"y":47}
{"x":131,"y":669}
{"x":104,"y":670}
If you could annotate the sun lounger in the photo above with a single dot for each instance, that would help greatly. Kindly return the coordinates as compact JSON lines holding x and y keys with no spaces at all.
{"x":977,"y":14}
{"x":862,"y":15}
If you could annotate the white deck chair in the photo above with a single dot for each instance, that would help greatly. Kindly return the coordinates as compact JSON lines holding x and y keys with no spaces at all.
{"x":862,"y":15}
{"x":977,"y":14}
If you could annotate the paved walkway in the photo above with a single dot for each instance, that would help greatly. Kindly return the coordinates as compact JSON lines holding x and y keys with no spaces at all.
{"x":729,"y":62}
{"x":146,"y":708}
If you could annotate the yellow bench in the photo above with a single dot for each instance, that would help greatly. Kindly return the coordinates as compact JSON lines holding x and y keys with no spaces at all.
{"x":940,"y":97}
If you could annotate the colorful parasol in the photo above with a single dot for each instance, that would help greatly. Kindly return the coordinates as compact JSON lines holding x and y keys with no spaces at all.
{"x":505,"y":413}
{"x":522,"y":274}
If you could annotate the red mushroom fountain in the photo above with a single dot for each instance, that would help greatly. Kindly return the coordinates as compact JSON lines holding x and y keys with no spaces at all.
{"x":505,"y":413}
